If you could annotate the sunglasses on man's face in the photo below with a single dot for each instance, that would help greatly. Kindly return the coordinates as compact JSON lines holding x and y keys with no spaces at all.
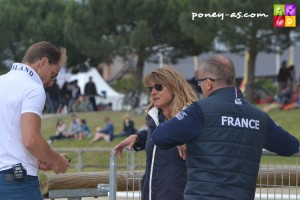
{"x":200,"y":80}
{"x":54,"y":76}
{"x":158,"y":87}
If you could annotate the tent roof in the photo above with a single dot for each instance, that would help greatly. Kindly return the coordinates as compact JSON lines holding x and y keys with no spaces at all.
{"x":112,"y":96}
{"x":101,"y":84}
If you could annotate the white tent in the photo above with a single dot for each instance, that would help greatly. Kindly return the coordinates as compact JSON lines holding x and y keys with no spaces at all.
{"x":113,"y":97}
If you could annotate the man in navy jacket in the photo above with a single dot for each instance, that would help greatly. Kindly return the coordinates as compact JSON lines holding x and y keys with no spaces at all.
{"x":225,"y":136}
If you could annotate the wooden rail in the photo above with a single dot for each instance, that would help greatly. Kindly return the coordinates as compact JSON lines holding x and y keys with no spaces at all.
{"x":279,"y":178}
{"x":78,"y":180}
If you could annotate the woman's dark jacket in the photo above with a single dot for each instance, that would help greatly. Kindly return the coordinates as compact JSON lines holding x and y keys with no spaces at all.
{"x":165,"y":175}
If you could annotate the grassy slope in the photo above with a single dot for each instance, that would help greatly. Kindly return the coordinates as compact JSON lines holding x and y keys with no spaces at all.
{"x":94,"y":119}
{"x":289,"y":120}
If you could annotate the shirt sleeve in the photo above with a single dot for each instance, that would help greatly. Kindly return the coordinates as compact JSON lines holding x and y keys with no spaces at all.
{"x":186,"y":126}
{"x":34,"y":101}
{"x":280,"y":141}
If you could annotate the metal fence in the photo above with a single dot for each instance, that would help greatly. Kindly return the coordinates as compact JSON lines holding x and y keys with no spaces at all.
{"x":278,"y":176}
{"x":130,"y":179}
{"x":277,"y":179}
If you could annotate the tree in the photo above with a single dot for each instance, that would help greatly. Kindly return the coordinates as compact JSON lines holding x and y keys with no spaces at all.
{"x":254,"y":34}
{"x":89,"y":30}
{"x":143,"y":28}
{"x":25,"y":22}
{"x":200,"y":33}
{"x":12,"y":17}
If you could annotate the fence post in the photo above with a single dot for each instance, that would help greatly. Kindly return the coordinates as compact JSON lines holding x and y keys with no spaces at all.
{"x":113,"y":177}
{"x":132,"y":164}
{"x":79,"y":165}
{"x":132,"y":170}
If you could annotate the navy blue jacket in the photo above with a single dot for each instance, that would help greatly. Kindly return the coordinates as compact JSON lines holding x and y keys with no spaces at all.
{"x":167,"y":178}
{"x":224,"y":136}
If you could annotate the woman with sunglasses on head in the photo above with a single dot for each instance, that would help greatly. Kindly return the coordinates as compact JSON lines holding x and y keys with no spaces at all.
{"x":165,"y":174}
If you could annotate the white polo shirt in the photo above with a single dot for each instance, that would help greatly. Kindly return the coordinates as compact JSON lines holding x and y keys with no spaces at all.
{"x":21,"y":91}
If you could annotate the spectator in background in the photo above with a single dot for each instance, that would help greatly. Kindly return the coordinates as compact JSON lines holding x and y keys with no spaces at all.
{"x":288,"y":101}
{"x":53,"y":97}
{"x":61,"y":130}
{"x":128,"y":127}
{"x":85,"y":130}
{"x":284,"y":95}
{"x":106,"y":133}
{"x":285,"y":79}
{"x":48,"y":108}
{"x":81,"y":104}
{"x":90,"y":91}
{"x":284,"y":76}
{"x":75,"y":94}
{"x":293,"y":80}
{"x":75,"y":127}
{"x":65,"y":95}
{"x":294,"y":99}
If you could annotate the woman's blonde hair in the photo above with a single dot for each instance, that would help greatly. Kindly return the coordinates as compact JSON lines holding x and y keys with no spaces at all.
{"x":183,"y":94}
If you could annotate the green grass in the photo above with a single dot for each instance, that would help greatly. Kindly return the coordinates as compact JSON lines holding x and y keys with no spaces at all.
{"x":289,"y":120}
{"x":94,"y":119}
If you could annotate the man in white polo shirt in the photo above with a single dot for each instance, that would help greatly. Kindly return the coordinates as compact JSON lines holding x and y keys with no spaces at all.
{"x":23,"y":150}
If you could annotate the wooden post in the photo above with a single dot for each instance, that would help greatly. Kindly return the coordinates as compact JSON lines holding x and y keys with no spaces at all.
{"x":79,"y":180}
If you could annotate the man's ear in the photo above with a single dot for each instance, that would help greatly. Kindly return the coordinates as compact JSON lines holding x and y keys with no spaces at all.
{"x":43,"y":61}
{"x":209,"y":84}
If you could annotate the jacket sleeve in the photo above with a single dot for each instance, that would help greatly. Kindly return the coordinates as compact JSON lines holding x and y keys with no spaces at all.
{"x":186,"y":126}
{"x":106,"y":128}
{"x":280,"y":141}
{"x":141,"y":142}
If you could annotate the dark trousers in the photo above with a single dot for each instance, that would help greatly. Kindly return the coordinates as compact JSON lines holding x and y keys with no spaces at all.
{"x":26,"y":189}
{"x":93,"y":102}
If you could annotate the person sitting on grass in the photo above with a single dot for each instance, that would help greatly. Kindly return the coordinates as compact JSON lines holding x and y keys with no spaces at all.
{"x":74,"y":128}
{"x":106,"y":133}
{"x":293,"y":102}
{"x":61,"y":130}
{"x":128,"y":127}
{"x":84,"y":132}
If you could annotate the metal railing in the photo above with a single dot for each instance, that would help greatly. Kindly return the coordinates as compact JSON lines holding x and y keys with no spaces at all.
{"x":278,"y":176}
{"x":277,"y":179}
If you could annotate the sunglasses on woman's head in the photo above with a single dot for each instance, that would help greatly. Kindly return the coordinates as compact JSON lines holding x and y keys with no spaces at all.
{"x":158,"y":87}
